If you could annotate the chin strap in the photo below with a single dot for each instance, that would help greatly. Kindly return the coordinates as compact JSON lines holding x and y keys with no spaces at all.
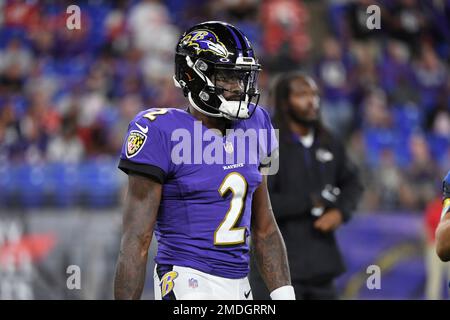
{"x":196,"y":107}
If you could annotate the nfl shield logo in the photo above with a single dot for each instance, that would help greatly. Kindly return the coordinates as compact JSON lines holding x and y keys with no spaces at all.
{"x":228,"y":147}
{"x":193,"y":283}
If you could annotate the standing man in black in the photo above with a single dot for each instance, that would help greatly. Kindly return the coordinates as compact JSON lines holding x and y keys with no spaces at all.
{"x":314,"y":192}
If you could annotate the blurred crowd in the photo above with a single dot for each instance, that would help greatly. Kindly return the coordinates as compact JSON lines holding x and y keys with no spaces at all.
{"x":68,"y":95}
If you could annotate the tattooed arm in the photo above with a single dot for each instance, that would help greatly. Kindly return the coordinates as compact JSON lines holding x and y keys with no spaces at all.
{"x":267,"y":243}
{"x":141,"y":208}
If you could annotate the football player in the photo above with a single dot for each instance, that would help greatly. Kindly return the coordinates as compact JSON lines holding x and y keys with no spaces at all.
{"x":443,"y":229}
{"x":202,"y":212}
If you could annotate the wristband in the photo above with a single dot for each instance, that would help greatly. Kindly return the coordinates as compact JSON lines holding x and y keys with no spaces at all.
{"x":283,"y":293}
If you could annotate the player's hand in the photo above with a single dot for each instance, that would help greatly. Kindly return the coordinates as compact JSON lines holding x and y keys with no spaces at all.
{"x":329,"y":221}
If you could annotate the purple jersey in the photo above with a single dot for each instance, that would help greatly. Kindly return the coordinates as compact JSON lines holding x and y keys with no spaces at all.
{"x":205,"y":212}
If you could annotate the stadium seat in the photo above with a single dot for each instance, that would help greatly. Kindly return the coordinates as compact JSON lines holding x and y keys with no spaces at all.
{"x":99,"y":184}
{"x":63,"y":184}
{"x":31,"y":185}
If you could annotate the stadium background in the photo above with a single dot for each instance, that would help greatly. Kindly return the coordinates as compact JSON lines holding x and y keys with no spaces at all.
{"x":66,"y":97}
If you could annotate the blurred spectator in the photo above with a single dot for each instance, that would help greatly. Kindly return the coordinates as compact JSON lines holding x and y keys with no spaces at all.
{"x":42,"y":42}
{"x":116,"y":26}
{"x":285,"y":38}
{"x":9,"y":132}
{"x":129,"y":106}
{"x":237,"y":10}
{"x":406,"y":21}
{"x":396,"y":73}
{"x":66,"y":147}
{"x":384,"y":179}
{"x":15,"y":63}
{"x":150,"y":27}
{"x":420,"y":174}
{"x":439,"y":122}
{"x":430,"y":75}
{"x":21,"y":14}
{"x":378,"y":126}
{"x":16,"y":56}
{"x":35,"y":127}
{"x":334,"y":74}
{"x":439,"y":28}
{"x":128,"y":75}
{"x":365,"y":70}
{"x":376,"y":110}
{"x":386,"y":184}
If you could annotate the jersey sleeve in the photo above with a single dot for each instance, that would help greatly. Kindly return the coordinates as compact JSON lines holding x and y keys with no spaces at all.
{"x":145,"y":150}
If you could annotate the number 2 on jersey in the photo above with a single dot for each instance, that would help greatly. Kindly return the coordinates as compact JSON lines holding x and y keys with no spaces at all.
{"x":227,"y":233}
{"x":152,"y":114}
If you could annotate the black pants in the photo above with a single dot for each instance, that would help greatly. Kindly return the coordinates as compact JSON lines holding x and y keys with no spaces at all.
{"x":314,"y":290}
